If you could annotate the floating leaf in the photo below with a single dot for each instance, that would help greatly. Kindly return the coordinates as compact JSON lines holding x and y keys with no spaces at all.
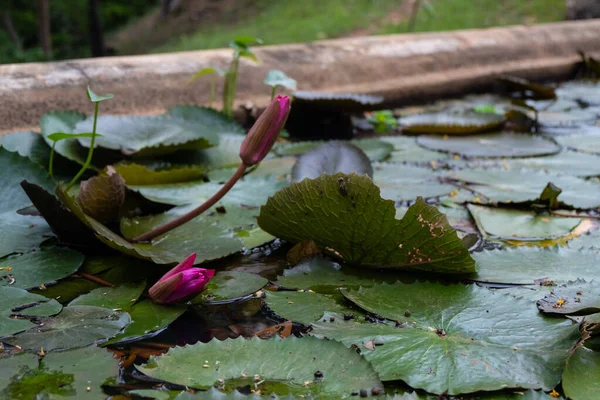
{"x":276,"y":78}
{"x":148,"y":319}
{"x":481,"y":340}
{"x":528,"y":89}
{"x":230,"y":285}
{"x":330,"y":158}
{"x":503,"y":144}
{"x":64,"y":121}
{"x":404,"y":183}
{"x":101,"y":197}
{"x":517,"y":224}
{"x":121,"y":297}
{"x":374,"y":149}
{"x":21,"y":233}
{"x":288,"y":366}
{"x":582,"y":142}
{"x":16,"y":301}
{"x":528,"y":265}
{"x":136,"y":174}
{"x":581,"y":379}
{"x":579,"y":297}
{"x":406,"y":149}
{"x":42,"y":267}
{"x":305,"y":307}
{"x":561,"y":119}
{"x":78,"y":373}
{"x":567,"y":163}
{"x":338,"y":101}
{"x":27,"y":144}
{"x":345,"y":213}
{"x":586,"y":240}
{"x":225,"y":155}
{"x":75,"y":326}
{"x":451,"y":123}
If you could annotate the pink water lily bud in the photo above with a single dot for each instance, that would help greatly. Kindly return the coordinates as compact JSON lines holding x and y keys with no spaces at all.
{"x":182,"y":281}
{"x":265,"y":131}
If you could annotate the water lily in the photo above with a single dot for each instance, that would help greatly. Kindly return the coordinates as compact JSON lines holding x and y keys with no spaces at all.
{"x":265,"y":131}
{"x":182,"y":281}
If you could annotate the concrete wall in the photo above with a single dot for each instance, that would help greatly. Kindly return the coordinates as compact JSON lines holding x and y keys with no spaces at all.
{"x":403,"y":68}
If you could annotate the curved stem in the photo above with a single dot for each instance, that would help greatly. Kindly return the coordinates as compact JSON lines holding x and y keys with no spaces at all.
{"x":88,"y":160}
{"x":159,"y":230}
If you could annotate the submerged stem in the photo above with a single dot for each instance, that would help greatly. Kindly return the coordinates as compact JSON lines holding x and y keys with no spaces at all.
{"x":88,"y":160}
{"x":145,"y":237}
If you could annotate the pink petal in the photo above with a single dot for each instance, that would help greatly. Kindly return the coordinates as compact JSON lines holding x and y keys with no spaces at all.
{"x":182,"y":266}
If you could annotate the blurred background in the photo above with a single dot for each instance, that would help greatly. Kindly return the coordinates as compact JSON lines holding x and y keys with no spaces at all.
{"x":45,"y":30}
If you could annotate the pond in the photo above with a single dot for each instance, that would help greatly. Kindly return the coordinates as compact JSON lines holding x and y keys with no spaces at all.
{"x":425,"y":252}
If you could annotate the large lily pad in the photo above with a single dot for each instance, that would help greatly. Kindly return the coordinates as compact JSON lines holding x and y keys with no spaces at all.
{"x":403,"y":183}
{"x":330,"y":158}
{"x":27,"y":144}
{"x":457,"y":338}
{"x":374,"y":149}
{"x":305,"y":307}
{"x":21,"y":233}
{"x":578,"y":297}
{"x":406,"y":149}
{"x":451,"y":123}
{"x":526,"y":265}
{"x":581,"y":142}
{"x":121,"y":297}
{"x":346,"y":213}
{"x":504,"y":223}
{"x":581,"y":379}
{"x":230,"y":285}
{"x":566,"y":162}
{"x":41,"y":267}
{"x":78,"y":373}
{"x":515,"y":186}
{"x":14,"y":301}
{"x":288,"y":366}
{"x":75,"y":326}
{"x":182,"y":127}
{"x":136,"y":174}
{"x":503,"y":144}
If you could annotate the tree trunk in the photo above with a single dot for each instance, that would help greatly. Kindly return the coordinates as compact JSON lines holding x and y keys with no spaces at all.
{"x":10,"y":29}
{"x":44,"y":26}
{"x":96,"y":34}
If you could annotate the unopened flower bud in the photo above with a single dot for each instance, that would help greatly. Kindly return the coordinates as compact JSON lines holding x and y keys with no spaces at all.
{"x":265,"y":131}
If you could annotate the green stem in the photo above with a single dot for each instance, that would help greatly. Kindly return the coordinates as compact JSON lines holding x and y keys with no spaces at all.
{"x":212,"y":92}
{"x":51,"y":162}
{"x":88,"y":160}
{"x":148,"y":236}
{"x":273,"y":92}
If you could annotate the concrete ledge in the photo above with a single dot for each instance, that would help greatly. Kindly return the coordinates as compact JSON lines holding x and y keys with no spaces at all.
{"x":402,"y":68}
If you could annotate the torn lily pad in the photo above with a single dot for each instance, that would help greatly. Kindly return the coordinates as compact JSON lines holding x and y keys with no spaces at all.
{"x":574,"y":298}
{"x":475,"y":334}
{"x":346,"y":215}
{"x":287,"y":366}
{"x":18,"y":302}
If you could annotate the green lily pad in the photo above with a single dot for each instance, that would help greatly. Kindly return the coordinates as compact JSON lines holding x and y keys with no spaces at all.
{"x":374,"y":149}
{"x":230,"y":285}
{"x":586,"y":240}
{"x":27,"y":144}
{"x":516,"y":186}
{"x":451,"y":123}
{"x":249,"y":191}
{"x":44,"y":266}
{"x":514,"y":224}
{"x":136,"y":174}
{"x":78,"y":373}
{"x":403,"y":183}
{"x":305,"y":307}
{"x":582,"y":142}
{"x":567,"y":163}
{"x":182,"y":127}
{"x":284,"y":364}
{"x":64,"y":121}
{"x":456,"y":338}
{"x":346,"y":213}
{"x":347,"y":102}
{"x":16,"y":301}
{"x":148,"y":319}
{"x":75,"y":326}
{"x":584,"y":91}
{"x":121,"y":297}
{"x":581,"y":379}
{"x":224,"y":155}
{"x":330,"y":158}
{"x":406,"y":149}
{"x":526,"y":265}
{"x":578,"y":298}
{"x":503,"y":144}
{"x":571,"y":118}
{"x":22,"y":233}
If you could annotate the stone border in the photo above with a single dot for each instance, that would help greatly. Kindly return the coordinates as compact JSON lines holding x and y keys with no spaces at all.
{"x":403,"y":68}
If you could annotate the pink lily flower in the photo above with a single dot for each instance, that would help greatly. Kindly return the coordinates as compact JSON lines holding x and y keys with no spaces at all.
{"x":183,"y":280}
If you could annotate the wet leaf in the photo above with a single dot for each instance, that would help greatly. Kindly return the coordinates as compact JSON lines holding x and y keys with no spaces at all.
{"x":283,"y":375}
{"x":148,"y":319}
{"x":306,"y":307}
{"x":517,"y":224}
{"x":345,"y":213}
{"x":526,"y":265}
{"x":503,"y":144}
{"x":482,"y":340}
{"x":75,"y":326}
{"x":451,"y":123}
{"x":78,"y":373}
{"x":330,"y":158}
{"x":41,"y":267}
{"x":276,"y":78}
{"x":374,"y":149}
{"x":14,"y":301}
{"x":101,"y":197}
{"x":230,"y":285}
{"x":121,"y":297}
{"x":574,"y":298}
{"x":581,"y":379}
{"x":136,"y":174}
